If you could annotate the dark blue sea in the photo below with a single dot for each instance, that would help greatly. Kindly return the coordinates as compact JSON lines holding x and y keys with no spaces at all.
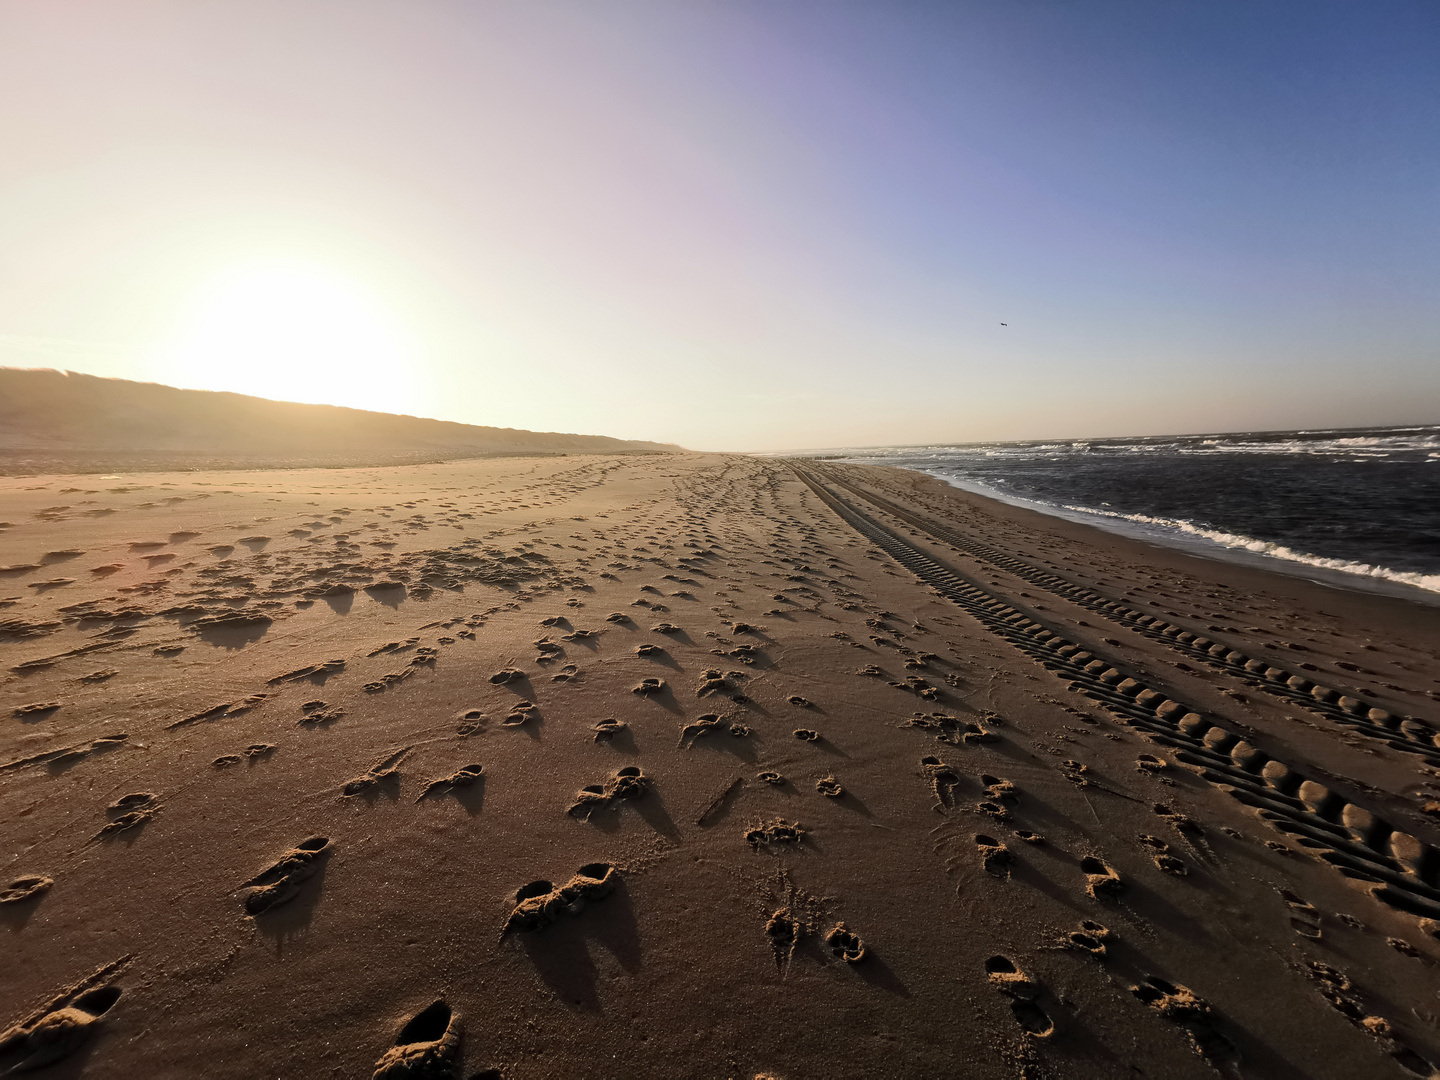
{"x":1358,"y":506}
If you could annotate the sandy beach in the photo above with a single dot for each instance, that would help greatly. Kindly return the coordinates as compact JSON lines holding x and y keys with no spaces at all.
{"x":696,"y":766}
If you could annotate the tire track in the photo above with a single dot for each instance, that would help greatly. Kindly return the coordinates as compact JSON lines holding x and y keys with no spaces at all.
{"x":1394,"y":866}
{"x":1408,"y":734}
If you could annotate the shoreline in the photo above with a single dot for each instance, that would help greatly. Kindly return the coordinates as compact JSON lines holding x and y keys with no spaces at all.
{"x":1196,"y":543}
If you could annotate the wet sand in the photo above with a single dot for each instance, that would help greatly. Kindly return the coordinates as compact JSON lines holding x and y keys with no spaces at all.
{"x":694,"y":765}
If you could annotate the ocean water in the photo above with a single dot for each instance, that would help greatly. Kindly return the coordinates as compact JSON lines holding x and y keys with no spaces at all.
{"x":1353,"y":506}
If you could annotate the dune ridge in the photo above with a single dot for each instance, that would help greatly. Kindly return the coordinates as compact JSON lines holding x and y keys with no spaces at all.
{"x":63,"y":421}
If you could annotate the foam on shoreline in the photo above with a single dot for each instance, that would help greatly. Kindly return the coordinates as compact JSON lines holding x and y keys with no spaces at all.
{"x":1215,"y":543}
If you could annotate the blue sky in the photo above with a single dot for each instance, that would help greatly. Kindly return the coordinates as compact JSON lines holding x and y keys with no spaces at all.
{"x":738,"y":225}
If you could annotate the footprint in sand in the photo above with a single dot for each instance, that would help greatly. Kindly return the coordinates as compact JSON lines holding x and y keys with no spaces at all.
{"x":943,"y":781}
{"x":1022,"y":991}
{"x":775,"y":834}
{"x":382,"y":773}
{"x":626,"y":783}
{"x":995,"y":857}
{"x":463,"y":777}
{"x":1179,"y":1005}
{"x":844,"y":944}
{"x":1090,"y":938}
{"x":57,"y":1033}
{"x":25,"y":888}
{"x":607,"y":729}
{"x":1165,"y":861}
{"x":1000,"y":790}
{"x":280,"y":882}
{"x":540,"y":903}
{"x":37,"y":709}
{"x":1101,"y":879}
{"x":427,"y":1048}
{"x":318,"y":712}
{"x":649,"y":687}
{"x":784,"y":931}
{"x":129,"y":812}
{"x":1304,"y":916}
{"x":520,"y":714}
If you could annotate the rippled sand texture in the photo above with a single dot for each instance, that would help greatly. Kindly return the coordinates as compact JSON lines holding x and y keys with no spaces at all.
{"x":691,"y":765}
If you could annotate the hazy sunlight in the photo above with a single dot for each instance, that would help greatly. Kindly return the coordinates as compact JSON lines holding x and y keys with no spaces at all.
{"x":294,"y":332}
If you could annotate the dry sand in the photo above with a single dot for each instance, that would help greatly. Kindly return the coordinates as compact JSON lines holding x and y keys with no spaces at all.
{"x":1062,"y":815}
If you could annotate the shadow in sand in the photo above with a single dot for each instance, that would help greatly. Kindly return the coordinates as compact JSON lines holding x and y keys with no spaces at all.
{"x":622,"y":742}
{"x":470,"y":796}
{"x":255,"y":543}
{"x":561,"y":953}
{"x":340,"y":603}
{"x":723,"y":741}
{"x":17,"y":913}
{"x":292,"y":919}
{"x":755,"y":632}
{"x":521,"y":687}
{"x":664,"y":659}
{"x":232,"y":635}
{"x":750,"y":704}
{"x":67,"y":761}
{"x":665,"y":699}
{"x":653,"y":811}
{"x":75,"y":1063}
{"x":852,"y":802}
{"x":531,"y":725}
{"x":876,"y":972}
{"x":1025,"y":871}
{"x":822,"y":743}
{"x":386,"y":787}
{"x":391,"y":596}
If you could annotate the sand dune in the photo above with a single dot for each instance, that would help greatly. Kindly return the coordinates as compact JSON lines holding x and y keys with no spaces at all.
{"x":695,"y":766}
{"x":55,"y":421}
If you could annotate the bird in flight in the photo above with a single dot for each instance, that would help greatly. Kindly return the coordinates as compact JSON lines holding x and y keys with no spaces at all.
{"x":1004,"y":324}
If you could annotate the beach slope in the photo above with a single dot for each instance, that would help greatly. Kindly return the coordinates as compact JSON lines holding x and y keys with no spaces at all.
{"x":693,"y":765}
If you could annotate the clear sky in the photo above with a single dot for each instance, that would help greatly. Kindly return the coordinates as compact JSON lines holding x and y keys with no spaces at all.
{"x":749,"y":224}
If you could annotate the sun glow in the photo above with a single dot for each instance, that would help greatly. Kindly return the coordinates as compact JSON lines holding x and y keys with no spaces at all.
{"x":295,"y":332}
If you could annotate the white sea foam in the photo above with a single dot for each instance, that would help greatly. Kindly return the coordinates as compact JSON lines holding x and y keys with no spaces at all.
{"x":983,"y":468}
{"x":1376,"y":445}
{"x":1429,"y":582}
